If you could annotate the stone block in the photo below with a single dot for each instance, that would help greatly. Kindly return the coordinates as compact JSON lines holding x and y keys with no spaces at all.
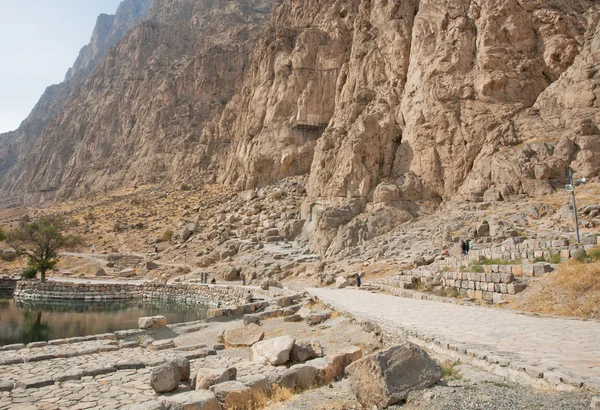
{"x":298,"y":377}
{"x":129,"y":365}
{"x":35,"y":383}
{"x":162,"y":345}
{"x":517,"y":270}
{"x":514,"y":288}
{"x":6,"y":385}
{"x":540,"y":269}
{"x":207,"y":377}
{"x":165,"y":378}
{"x":386,"y":378}
{"x":528,"y":270}
{"x":197,"y":400}
{"x":233,"y":395}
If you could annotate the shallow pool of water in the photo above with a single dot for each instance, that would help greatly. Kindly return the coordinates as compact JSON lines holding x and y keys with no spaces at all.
{"x":34,"y":321}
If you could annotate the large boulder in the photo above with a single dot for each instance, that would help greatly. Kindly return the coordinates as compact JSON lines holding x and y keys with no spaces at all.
{"x":233,"y":395}
{"x":341,"y":282}
{"x":245,"y":336}
{"x":270,"y":283}
{"x":298,"y":377}
{"x":165,"y":378}
{"x":386,"y":193}
{"x":206,"y":377}
{"x":152,"y":322}
{"x":333,"y":366}
{"x":183,"y":365}
{"x":386,"y":378}
{"x":274,"y":351}
{"x":304,"y":350}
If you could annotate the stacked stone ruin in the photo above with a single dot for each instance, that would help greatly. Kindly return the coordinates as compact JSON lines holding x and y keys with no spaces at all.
{"x":490,"y":283}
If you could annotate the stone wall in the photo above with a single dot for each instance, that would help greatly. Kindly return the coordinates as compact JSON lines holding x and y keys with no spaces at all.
{"x":208,"y":295}
{"x":7,"y":285}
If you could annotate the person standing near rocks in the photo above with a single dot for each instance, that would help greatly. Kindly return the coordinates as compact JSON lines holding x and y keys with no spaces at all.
{"x":463,"y":247}
{"x":358,"y":281}
{"x":155,"y":248}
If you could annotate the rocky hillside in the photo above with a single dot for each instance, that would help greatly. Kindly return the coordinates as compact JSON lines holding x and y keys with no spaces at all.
{"x":390,"y":107}
{"x":16,"y":145}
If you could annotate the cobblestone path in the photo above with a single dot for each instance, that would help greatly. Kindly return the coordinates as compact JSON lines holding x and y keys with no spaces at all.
{"x":562,"y":351}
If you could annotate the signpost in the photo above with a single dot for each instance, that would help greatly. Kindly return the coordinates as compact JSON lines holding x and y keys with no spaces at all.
{"x":570,"y":187}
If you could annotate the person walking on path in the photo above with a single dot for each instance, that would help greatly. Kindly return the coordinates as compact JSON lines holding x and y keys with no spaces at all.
{"x":358,"y":282}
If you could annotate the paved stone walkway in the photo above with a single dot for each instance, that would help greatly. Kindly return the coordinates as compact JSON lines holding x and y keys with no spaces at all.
{"x":559,"y":350}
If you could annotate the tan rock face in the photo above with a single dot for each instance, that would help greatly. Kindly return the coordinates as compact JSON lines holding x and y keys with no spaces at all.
{"x":16,"y":145}
{"x":139,"y":116}
{"x":390,"y":107}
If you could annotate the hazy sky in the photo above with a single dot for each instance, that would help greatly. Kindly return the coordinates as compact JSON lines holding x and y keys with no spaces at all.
{"x":39,"y":41}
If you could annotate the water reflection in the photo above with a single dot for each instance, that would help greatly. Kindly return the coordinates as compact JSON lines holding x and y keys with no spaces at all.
{"x":29,"y":321}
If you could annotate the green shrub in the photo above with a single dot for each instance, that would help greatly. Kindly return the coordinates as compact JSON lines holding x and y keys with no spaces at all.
{"x":29,"y":273}
{"x":539,"y":259}
{"x":168,"y":235}
{"x":581,"y":256}
{"x":555,"y":258}
{"x":594,"y":254}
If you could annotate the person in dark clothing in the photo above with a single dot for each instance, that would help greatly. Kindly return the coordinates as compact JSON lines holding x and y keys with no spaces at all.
{"x":464,"y":247}
{"x":358,"y":282}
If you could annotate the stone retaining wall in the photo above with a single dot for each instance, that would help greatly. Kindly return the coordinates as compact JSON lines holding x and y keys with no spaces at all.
{"x":208,"y":295}
{"x":7,"y":285}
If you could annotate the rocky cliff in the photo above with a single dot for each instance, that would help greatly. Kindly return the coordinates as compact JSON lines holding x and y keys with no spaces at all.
{"x":15,"y":146}
{"x":397,"y":103}
{"x":391,"y":107}
{"x":137,"y":117}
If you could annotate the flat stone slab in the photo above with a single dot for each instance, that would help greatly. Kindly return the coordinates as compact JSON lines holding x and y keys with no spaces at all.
{"x":6,"y":385}
{"x":97,"y":371}
{"x":9,"y":360}
{"x":39,"y":358}
{"x":129,"y":365}
{"x":16,"y":346}
{"x":36,"y":345}
{"x":35,"y":383}
{"x":162,"y":345}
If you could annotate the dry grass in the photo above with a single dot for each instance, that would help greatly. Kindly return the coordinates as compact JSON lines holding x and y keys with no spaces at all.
{"x":573,"y":291}
{"x":262,"y":399}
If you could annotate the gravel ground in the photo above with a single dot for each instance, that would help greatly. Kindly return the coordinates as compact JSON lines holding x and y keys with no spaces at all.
{"x":474,"y":390}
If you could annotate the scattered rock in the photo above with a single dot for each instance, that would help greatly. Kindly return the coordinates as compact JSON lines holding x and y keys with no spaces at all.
{"x":298,"y":377}
{"x":101,"y":273}
{"x":197,"y":400}
{"x":274,"y":351}
{"x":341,"y":282}
{"x":152,"y":322}
{"x":270,"y":282}
{"x":304,"y":350}
{"x":165,"y":378}
{"x":183,"y":365}
{"x":245,"y":336}
{"x":385,"y":378}
{"x":233,"y":395}
{"x":318,"y":317}
{"x":205,"y":377}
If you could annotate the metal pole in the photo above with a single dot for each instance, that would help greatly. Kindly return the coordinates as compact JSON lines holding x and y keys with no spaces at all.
{"x":574,"y":206}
